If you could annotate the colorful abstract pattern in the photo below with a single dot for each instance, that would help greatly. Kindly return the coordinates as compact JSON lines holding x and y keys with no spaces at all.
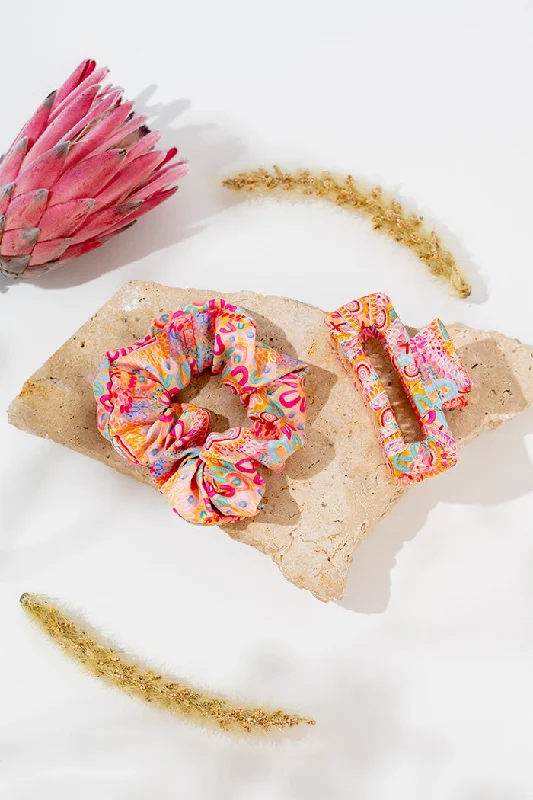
{"x":208,"y":478}
{"x":431,"y":374}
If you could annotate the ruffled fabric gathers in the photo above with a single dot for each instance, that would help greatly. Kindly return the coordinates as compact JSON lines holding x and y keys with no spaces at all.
{"x":209,"y":478}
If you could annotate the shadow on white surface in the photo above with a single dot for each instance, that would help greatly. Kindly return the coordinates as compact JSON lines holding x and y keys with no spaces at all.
{"x":494,"y":469}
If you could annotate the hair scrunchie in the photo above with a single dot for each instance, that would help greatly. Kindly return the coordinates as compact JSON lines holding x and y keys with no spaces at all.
{"x":208,"y":478}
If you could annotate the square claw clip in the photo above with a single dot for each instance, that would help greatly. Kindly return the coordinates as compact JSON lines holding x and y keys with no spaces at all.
{"x":431,"y":373}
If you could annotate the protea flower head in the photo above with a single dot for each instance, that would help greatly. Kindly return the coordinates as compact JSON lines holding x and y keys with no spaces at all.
{"x":81,"y":170}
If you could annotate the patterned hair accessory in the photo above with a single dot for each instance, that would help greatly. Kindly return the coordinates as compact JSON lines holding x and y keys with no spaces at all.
{"x":431,"y":374}
{"x":208,"y":478}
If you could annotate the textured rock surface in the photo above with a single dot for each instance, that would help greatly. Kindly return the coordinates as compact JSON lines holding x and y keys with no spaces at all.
{"x":338,"y":486}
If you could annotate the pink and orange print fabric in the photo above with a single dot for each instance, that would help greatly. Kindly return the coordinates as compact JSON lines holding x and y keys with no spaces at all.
{"x":431,"y":374}
{"x":209,"y":478}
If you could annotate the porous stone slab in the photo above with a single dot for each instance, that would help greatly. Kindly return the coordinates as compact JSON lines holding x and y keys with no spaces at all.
{"x":338,"y":486}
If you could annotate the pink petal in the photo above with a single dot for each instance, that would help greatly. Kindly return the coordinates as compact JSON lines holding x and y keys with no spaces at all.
{"x":72,"y":114}
{"x":103,"y":104}
{"x":37,"y":123}
{"x":104,"y":221}
{"x":130,"y":127}
{"x":26,"y":210}
{"x":6,"y":193}
{"x":98,"y":134}
{"x":76,"y":250}
{"x":93,"y":116}
{"x":20,"y":242}
{"x":144,"y":145}
{"x":129,"y":178}
{"x":153,"y":201}
{"x":162,"y":180}
{"x":104,"y":91}
{"x":110,"y":221}
{"x":94,"y":78}
{"x":12,"y":161}
{"x":82,"y":126}
{"x":130,"y":138}
{"x":48,"y":251}
{"x":88,"y":177}
{"x":74,"y":79}
{"x":169,"y":156}
{"x":115,"y":231}
{"x":60,"y":220}
{"x":43,"y":173}
{"x":131,"y":212}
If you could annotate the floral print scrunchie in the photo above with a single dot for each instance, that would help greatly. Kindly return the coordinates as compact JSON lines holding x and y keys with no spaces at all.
{"x":208,"y":478}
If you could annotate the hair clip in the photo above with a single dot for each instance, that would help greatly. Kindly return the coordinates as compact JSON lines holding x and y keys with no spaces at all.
{"x":430,"y":370}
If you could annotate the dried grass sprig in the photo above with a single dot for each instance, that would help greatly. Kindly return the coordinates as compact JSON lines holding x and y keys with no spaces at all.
{"x":169,"y":693}
{"x":387,"y":214}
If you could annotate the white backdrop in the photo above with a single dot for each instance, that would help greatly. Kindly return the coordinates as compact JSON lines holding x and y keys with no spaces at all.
{"x":420,"y":679}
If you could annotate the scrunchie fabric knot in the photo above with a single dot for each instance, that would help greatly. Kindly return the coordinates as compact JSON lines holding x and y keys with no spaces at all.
{"x":209,"y":478}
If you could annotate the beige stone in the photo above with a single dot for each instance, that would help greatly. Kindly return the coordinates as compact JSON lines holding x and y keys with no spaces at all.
{"x":337,"y":487}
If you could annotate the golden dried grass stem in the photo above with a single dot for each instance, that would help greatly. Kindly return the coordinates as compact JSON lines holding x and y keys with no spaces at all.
{"x":171,"y":694}
{"x":387,"y":214}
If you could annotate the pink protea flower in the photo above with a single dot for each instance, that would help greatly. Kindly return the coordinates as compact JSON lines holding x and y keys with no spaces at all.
{"x":81,"y":170}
